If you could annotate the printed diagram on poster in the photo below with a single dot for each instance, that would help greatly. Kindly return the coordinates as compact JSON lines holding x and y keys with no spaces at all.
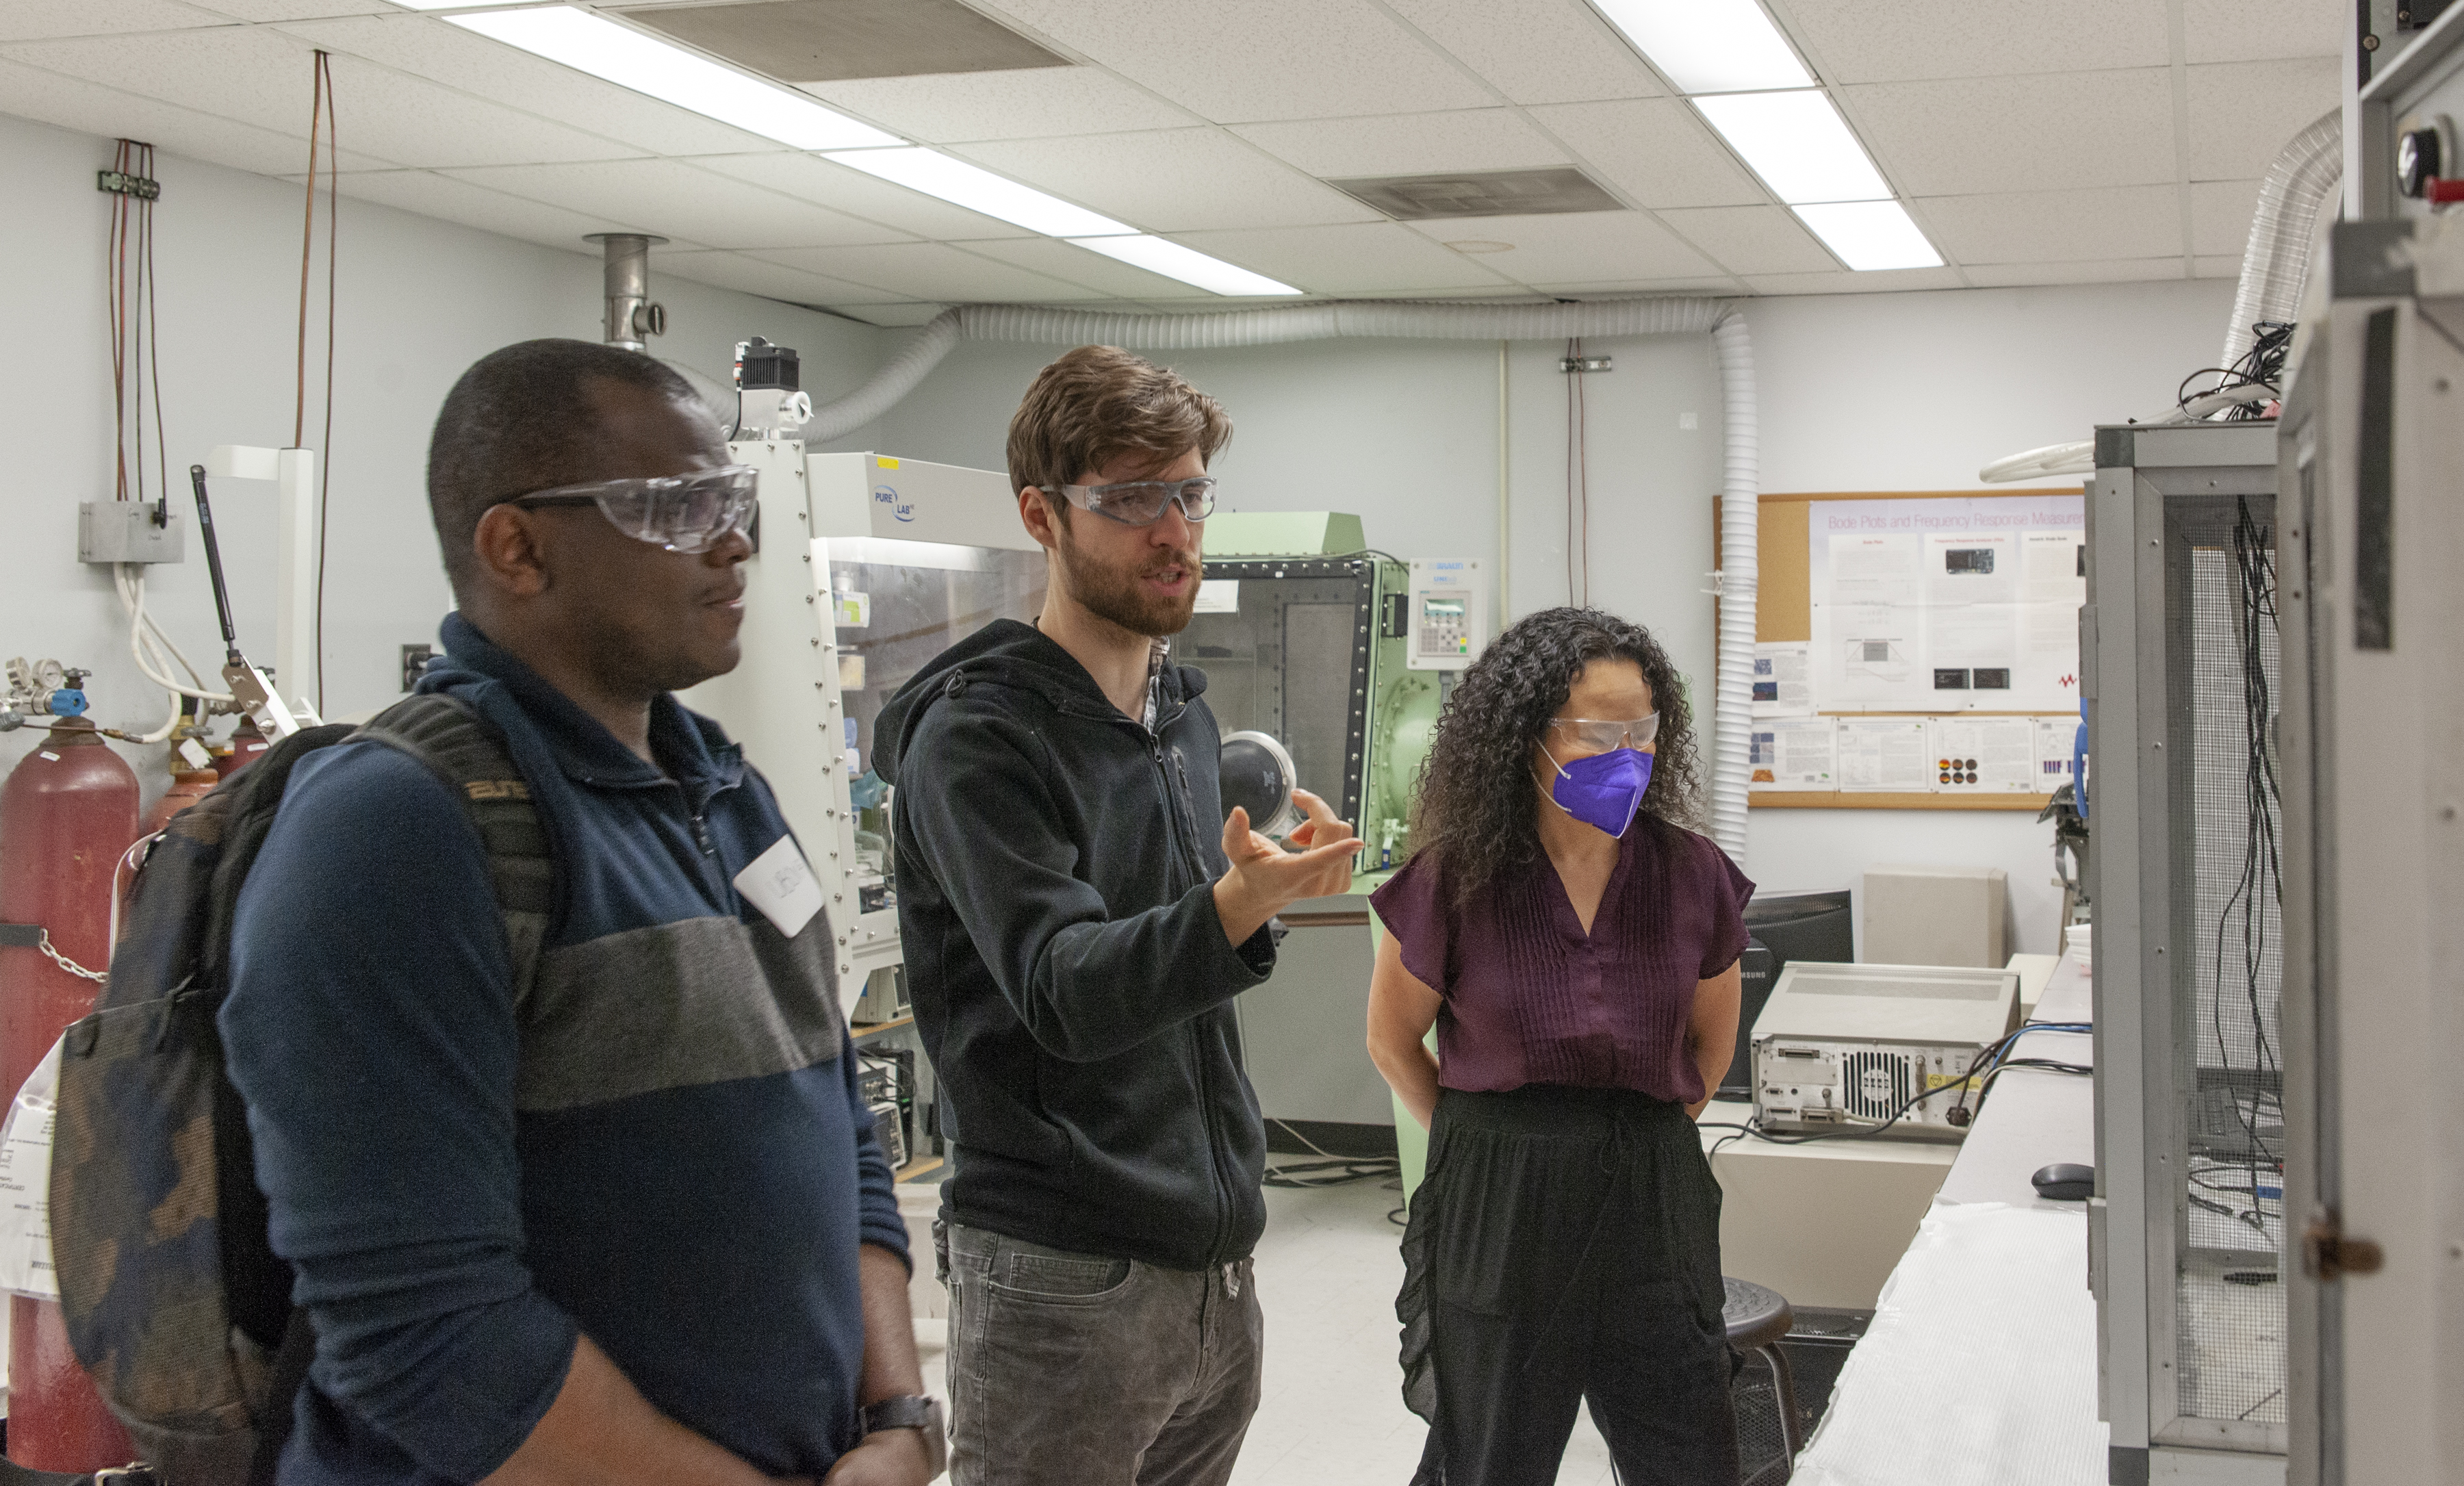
{"x":1946,"y":605}
{"x":1783,"y":682}
{"x":1794,"y":753}
{"x":2057,"y":750}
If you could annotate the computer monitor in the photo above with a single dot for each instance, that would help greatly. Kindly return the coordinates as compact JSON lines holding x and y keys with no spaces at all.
{"x":1783,"y":927}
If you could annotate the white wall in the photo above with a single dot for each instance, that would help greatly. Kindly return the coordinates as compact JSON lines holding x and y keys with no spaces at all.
{"x":419,"y":301}
{"x":1879,"y":393}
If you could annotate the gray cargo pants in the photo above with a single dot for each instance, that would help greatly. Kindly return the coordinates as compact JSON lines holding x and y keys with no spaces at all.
{"x":1072,"y":1369}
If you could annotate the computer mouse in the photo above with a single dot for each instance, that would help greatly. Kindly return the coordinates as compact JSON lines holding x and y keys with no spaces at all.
{"x":2065,"y":1181}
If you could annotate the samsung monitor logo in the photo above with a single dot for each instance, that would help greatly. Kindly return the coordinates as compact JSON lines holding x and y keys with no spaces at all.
{"x":888,"y":494}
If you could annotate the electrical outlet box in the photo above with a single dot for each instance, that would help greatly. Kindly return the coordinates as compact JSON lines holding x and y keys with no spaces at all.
{"x":125,"y":531}
{"x":414,"y":660}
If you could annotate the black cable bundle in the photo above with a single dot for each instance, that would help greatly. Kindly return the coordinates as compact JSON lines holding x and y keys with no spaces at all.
{"x":2260,"y":888}
{"x":2262,"y":366}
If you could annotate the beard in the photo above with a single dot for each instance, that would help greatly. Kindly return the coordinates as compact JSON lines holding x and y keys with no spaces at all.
{"x":1119,"y":594}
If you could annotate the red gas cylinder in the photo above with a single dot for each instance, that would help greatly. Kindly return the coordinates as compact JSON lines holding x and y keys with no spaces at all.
{"x":187,"y":788}
{"x":67,"y":813}
{"x":247,"y":746}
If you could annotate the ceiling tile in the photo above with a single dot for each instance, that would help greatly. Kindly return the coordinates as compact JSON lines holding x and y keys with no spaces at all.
{"x":932,"y":271}
{"x":1369,"y":258}
{"x":431,"y":194}
{"x":1860,"y":41}
{"x":1172,"y":180}
{"x":2242,"y":114}
{"x":2105,"y":271}
{"x":828,"y":183}
{"x":2251,"y":30}
{"x":33,"y":20}
{"x":1536,"y":51}
{"x":426,"y":47}
{"x":954,"y":107}
{"x":1751,"y":239}
{"x":1082,"y":266}
{"x":262,"y":77}
{"x":294,"y":9}
{"x":1578,"y":247}
{"x":1240,"y":60}
{"x":2220,"y":213}
{"x":91,"y":109}
{"x":1471,"y":139}
{"x":771,"y":281}
{"x":1655,"y":150}
{"x":1877,"y":282}
{"x":672,"y":199}
{"x":2050,"y":132}
{"x":2049,"y":226}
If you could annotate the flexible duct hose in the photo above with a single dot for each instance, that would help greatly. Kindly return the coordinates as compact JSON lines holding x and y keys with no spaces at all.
{"x":2275,"y":265}
{"x":2276,"y":261}
{"x":1740,"y":482}
{"x":1740,"y":584}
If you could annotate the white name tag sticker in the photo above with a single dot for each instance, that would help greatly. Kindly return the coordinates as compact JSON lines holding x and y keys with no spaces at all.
{"x":781,"y":884}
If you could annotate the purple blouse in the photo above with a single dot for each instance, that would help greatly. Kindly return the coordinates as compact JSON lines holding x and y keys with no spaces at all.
{"x":1529,"y":998}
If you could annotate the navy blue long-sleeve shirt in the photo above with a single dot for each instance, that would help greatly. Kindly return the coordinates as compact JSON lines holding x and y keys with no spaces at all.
{"x":660,"y":1143}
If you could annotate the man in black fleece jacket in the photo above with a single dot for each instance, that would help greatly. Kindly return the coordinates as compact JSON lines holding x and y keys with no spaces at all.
{"x":1075,"y":932}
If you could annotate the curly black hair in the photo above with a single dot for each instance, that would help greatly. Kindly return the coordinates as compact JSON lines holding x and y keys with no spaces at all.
{"x":1474,"y":807}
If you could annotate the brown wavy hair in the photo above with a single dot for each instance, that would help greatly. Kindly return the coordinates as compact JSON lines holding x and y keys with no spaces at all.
{"x":1474,"y":807}
{"x":1096,"y":403}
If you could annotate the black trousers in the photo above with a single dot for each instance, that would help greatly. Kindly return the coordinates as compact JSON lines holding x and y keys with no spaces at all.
{"x":1565,"y":1246}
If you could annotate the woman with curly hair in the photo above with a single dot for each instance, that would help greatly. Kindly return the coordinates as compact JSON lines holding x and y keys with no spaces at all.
{"x":1577,"y":948}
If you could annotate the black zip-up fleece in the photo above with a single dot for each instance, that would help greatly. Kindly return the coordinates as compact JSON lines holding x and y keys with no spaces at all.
{"x":1069,"y":972}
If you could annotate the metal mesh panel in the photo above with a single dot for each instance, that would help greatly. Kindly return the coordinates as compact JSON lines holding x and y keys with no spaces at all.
{"x":2225,"y":944}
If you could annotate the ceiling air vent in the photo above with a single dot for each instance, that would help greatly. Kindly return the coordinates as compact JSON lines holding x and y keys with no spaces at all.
{"x":1419,"y":198}
{"x":833,"y":40}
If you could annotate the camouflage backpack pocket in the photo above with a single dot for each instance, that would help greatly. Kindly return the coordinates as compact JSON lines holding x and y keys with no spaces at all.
{"x":139,"y":1208}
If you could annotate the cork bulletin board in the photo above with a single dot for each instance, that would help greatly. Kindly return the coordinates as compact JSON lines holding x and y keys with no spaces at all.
{"x":2005,"y":667}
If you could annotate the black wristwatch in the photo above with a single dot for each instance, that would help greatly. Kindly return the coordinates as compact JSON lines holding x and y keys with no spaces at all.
{"x":913,"y":1412}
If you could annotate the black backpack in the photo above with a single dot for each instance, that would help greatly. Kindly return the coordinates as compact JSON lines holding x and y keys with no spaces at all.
{"x":174,"y":1300}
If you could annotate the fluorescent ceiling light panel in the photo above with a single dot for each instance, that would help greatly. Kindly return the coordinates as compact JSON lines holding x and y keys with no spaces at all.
{"x":1710,"y":46}
{"x":1162,"y":256}
{"x":633,"y":59}
{"x":1798,"y":144}
{"x":979,"y":189}
{"x":1871,"y":234}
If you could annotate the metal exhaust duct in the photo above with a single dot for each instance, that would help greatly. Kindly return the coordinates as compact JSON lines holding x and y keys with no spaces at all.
{"x":632,"y":316}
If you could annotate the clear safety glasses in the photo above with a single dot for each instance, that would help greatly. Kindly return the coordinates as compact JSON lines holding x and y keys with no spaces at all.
{"x":1601,"y":736}
{"x":1141,"y":502}
{"x":682,"y":513}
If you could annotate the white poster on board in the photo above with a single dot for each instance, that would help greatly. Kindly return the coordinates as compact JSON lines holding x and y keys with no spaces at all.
{"x":1982,"y":755}
{"x":1885,"y":754}
{"x":1958,"y":605}
{"x":2056,"y":743}
{"x":1794,"y":753}
{"x":1783,"y":687}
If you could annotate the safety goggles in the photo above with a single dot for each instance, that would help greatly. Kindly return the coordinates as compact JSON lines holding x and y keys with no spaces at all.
{"x":1141,"y":502}
{"x":1601,"y":736}
{"x":682,"y":513}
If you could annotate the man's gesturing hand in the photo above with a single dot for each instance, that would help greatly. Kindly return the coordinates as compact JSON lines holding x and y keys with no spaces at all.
{"x":1265,"y":878}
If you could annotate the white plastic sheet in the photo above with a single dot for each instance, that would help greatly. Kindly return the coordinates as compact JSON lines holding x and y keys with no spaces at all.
{"x":26,"y":1186}
{"x":1980,"y":1365}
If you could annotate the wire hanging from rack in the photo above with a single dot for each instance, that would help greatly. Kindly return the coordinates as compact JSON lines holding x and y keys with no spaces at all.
{"x":2258,"y":888}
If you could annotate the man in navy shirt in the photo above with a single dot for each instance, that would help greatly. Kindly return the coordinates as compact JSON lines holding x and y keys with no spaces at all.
{"x":609,"y":1211}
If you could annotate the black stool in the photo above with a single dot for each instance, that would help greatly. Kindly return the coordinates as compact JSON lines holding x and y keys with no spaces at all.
{"x":1757,"y":1319}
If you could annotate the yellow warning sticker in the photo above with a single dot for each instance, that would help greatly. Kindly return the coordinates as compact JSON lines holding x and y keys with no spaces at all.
{"x":1937,"y":1080}
{"x":885,"y":463}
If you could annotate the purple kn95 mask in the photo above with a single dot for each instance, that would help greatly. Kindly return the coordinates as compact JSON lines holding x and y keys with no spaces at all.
{"x":1604,"y":790}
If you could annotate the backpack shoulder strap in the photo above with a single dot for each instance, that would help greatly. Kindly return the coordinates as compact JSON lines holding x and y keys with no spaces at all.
{"x":471,"y":757}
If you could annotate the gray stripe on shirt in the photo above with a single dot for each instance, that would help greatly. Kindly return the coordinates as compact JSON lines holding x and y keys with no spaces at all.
{"x":699,"y":1001}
